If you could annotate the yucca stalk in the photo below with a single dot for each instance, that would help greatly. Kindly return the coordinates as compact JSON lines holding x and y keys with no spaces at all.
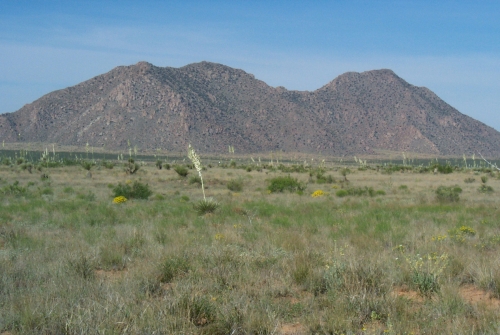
{"x":197,"y":164}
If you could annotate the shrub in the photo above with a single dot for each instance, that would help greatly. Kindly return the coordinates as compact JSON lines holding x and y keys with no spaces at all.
{"x":469,"y":180}
{"x":131,"y":167}
{"x":206,"y":206}
{"x":135,"y":191}
{"x":87,"y":165}
{"x":181,"y":170}
{"x":108,"y":165}
{"x":235,"y":185}
{"x":448,"y":193}
{"x":282,"y":184}
{"x":195,"y":180}
{"x":159,"y":164}
{"x":322,"y":179}
{"x":485,"y":189}
{"x":342,"y":193}
{"x":443,"y":168}
{"x":15,"y":189}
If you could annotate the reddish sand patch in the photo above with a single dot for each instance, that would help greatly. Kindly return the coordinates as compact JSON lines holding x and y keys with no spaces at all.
{"x":292,"y":329}
{"x":408,"y":294}
{"x":474,"y":295}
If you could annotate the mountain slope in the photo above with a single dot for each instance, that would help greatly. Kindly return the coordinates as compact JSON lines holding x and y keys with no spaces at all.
{"x":213,"y":106}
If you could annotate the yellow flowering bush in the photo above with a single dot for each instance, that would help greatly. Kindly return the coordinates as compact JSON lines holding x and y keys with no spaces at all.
{"x":120,"y":199}
{"x":467,"y":230}
{"x":318,"y":193}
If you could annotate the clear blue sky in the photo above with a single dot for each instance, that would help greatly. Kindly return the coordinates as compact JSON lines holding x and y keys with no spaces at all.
{"x":451,"y":47}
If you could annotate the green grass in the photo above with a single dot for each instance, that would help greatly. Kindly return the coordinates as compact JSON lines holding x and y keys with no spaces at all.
{"x":74,"y":263}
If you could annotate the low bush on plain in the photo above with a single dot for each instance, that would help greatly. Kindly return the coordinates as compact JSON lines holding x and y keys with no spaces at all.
{"x":448,"y":193}
{"x":181,"y":170}
{"x":235,"y":185}
{"x":282,"y":184}
{"x":137,"y":190}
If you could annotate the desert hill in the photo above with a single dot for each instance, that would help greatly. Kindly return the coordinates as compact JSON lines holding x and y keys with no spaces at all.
{"x":213,"y":106}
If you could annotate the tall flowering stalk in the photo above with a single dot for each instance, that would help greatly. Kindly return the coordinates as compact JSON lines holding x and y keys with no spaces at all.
{"x":197,"y":164}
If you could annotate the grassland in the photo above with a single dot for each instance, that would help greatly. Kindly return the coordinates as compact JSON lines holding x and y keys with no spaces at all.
{"x":393,"y":260}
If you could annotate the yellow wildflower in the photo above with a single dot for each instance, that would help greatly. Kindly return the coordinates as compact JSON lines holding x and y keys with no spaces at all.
{"x":318,"y":193}
{"x":120,"y":199}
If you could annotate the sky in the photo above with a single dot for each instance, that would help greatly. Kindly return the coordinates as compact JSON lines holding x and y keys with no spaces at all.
{"x":450,"y":47}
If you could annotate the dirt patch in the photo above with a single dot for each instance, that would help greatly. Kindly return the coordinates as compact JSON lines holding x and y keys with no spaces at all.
{"x":408,"y":294}
{"x":292,"y":329}
{"x":474,"y":295}
{"x":112,"y":275}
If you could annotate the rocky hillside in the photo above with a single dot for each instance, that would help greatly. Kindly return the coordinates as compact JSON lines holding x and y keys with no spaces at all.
{"x":212,"y":106}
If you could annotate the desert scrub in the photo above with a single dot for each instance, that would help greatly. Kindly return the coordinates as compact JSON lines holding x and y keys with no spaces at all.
{"x":235,"y":185}
{"x":425,"y":271}
{"x":195,"y":180}
{"x":137,"y":190}
{"x":448,"y":193}
{"x":485,"y":188}
{"x":282,"y":184}
{"x":181,"y":170}
{"x":206,"y":206}
{"x":131,"y":166}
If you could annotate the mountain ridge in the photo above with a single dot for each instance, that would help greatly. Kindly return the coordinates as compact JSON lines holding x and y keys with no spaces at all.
{"x":213,"y":106}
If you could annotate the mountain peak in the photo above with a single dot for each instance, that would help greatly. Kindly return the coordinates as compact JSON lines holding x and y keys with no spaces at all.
{"x":212,"y":105}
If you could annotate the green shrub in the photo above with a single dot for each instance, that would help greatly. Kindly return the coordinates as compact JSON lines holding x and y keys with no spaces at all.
{"x":108,"y":165}
{"x":235,"y":185}
{"x":485,"y":189}
{"x":342,"y":193}
{"x":322,"y":179}
{"x":181,"y":170}
{"x":446,"y":169}
{"x":87,"y":165}
{"x":195,"y":180}
{"x":282,"y":184}
{"x":137,"y":190}
{"x":206,"y":206}
{"x":448,"y":193}
{"x":15,"y":189}
{"x":159,"y":164}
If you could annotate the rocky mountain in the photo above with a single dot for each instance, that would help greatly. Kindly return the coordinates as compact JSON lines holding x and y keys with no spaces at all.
{"x":213,"y":106}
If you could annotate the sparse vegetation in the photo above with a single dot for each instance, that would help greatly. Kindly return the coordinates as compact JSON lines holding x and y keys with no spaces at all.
{"x":262,"y":261}
{"x":286,"y":183}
